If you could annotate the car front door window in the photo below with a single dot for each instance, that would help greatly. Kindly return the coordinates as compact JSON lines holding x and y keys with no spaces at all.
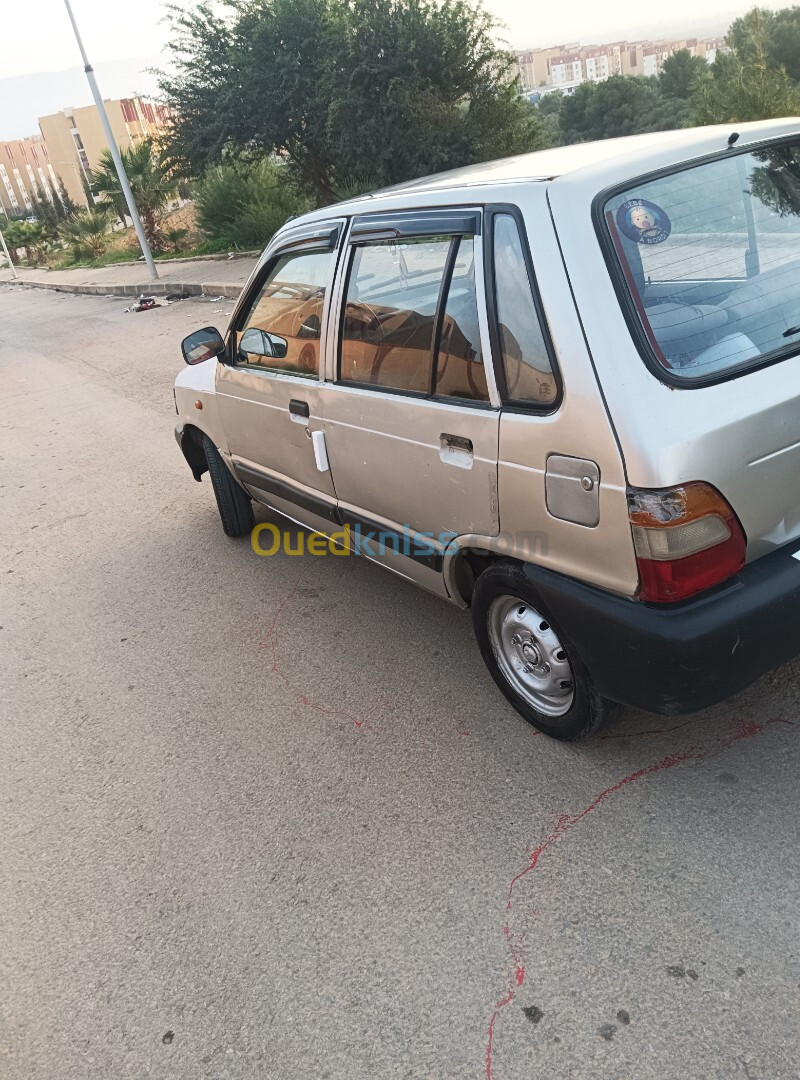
{"x":282,"y":329}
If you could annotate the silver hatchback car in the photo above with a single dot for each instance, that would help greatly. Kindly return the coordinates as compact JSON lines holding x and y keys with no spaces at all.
{"x":561,"y":389}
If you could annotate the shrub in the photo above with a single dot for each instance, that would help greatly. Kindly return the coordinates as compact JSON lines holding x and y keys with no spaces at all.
{"x":28,"y":236}
{"x":86,"y":232}
{"x":243,"y":203}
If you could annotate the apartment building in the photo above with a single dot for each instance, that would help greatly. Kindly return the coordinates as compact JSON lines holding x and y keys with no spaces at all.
{"x":709,"y":49}
{"x":653,"y":57}
{"x":632,"y":59}
{"x":599,"y":64}
{"x":566,"y":66}
{"x":566,"y":70}
{"x":75,"y":138}
{"x":534,"y":65}
{"x":25,"y":174}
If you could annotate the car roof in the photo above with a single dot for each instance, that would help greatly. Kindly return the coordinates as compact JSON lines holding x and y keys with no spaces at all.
{"x":636,"y":151}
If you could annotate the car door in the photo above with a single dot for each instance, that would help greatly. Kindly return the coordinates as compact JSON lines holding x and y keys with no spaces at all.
{"x":411,"y":411}
{"x":268,"y":390}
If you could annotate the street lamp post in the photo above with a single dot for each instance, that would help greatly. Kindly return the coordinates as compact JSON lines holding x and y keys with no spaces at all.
{"x":7,"y":255}
{"x":114,"y":150}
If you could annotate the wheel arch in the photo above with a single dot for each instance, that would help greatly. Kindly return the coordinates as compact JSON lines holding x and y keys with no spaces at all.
{"x":465,"y":560}
{"x":190,"y":440}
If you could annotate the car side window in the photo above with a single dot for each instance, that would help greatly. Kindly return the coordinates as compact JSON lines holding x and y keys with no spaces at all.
{"x":527,"y":370}
{"x":410,"y":319}
{"x":282,"y":329}
{"x":459,"y":365}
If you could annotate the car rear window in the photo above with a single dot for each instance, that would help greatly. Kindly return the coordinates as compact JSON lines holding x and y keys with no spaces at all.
{"x":710,"y":260}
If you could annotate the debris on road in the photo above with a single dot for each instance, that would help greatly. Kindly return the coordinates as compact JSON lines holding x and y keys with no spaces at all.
{"x":144,"y":303}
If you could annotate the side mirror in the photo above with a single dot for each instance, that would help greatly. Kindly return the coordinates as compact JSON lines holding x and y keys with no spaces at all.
{"x":202,"y":345}
{"x":261,"y":343}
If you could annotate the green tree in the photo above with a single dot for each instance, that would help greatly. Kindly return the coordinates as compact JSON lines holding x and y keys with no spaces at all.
{"x":622,"y":105}
{"x":389,"y":89}
{"x":242,"y":203}
{"x":548,"y":110}
{"x":28,"y":236}
{"x":756,"y":80}
{"x":51,"y":214}
{"x":153,"y":184}
{"x":744,"y":87}
{"x":86,"y":232}
{"x":775,"y":34}
{"x":550,"y":104}
{"x":679,"y":74}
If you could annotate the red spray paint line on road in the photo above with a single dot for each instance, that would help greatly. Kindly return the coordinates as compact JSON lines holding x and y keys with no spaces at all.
{"x":745,"y":730}
{"x":269,"y":641}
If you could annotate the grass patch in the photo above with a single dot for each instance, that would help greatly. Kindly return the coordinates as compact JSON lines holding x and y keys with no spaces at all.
{"x":63,"y":261}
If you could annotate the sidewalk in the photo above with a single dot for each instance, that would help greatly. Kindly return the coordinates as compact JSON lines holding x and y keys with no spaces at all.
{"x":197,"y":277}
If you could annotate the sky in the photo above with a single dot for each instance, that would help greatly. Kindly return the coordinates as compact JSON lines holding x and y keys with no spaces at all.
{"x":116,"y":30}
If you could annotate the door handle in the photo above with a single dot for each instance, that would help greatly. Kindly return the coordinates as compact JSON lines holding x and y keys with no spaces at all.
{"x":458,"y":442}
{"x":455,"y":450}
{"x":299,"y":408}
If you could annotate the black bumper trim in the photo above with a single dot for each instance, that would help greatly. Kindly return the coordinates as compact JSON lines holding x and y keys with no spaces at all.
{"x":679,"y":658}
{"x":313,"y":504}
{"x":371,"y":531}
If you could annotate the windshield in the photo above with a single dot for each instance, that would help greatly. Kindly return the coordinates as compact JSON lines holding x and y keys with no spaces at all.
{"x":710,"y":257}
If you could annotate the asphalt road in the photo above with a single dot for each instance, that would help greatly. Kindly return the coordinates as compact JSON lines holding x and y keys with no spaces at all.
{"x":269,"y":818}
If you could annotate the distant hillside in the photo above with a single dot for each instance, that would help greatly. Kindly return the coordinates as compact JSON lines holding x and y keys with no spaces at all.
{"x":23,"y":98}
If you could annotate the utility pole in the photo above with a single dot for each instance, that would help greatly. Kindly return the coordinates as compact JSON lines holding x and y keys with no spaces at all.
{"x":114,"y":149}
{"x":7,"y":254}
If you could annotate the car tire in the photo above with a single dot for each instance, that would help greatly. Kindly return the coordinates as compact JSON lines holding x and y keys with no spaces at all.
{"x":234,"y":505}
{"x":535,"y":666}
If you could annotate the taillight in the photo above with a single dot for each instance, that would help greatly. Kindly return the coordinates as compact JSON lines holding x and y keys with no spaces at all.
{"x":686,"y":539}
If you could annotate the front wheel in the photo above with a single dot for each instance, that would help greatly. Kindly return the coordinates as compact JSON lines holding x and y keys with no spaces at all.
{"x":533,"y":664}
{"x":234,"y":505}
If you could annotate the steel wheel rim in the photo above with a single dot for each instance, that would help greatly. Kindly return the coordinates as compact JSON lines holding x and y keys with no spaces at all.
{"x":530,"y":655}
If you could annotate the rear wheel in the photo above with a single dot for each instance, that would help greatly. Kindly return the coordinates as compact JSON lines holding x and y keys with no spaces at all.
{"x":234,"y":505}
{"x":532,"y":662}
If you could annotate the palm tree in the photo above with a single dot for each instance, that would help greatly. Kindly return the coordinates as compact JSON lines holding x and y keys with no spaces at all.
{"x":152,"y":182}
{"x":174,"y":237}
{"x":86,"y":231}
{"x":353,"y":185}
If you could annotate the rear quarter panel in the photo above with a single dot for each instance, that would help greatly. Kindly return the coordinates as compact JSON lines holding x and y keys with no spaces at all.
{"x":580,"y":427}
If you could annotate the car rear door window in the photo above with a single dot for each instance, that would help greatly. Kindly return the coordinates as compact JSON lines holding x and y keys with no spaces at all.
{"x":709,"y":262}
{"x":410,"y":318}
{"x":460,"y":372}
{"x":527,"y":371}
{"x":282,"y":329}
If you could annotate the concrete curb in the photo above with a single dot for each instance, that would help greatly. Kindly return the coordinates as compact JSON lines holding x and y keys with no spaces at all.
{"x":222,"y":256}
{"x":149,"y":288}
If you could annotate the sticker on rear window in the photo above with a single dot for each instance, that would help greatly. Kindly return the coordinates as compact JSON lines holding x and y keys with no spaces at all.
{"x":643,"y":222}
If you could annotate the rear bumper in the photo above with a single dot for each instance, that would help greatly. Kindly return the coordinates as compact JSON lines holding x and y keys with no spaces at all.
{"x":678,"y":658}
